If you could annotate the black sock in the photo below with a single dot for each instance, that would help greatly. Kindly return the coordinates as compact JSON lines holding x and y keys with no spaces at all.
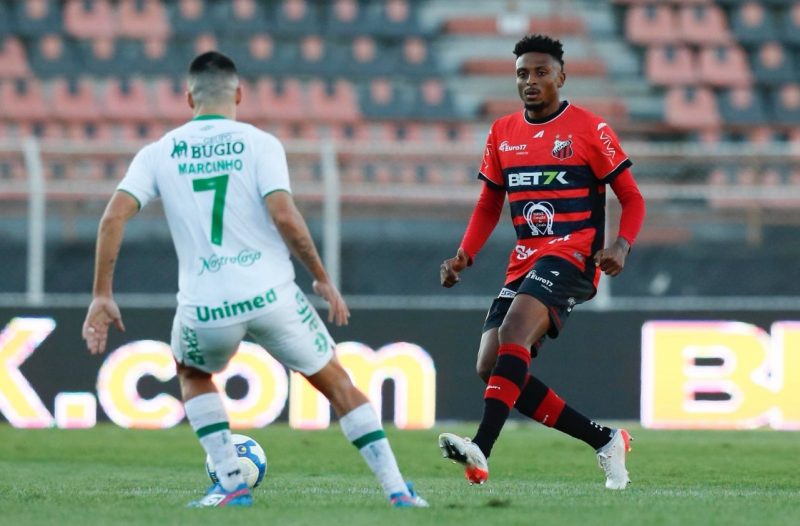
{"x":541,"y":403}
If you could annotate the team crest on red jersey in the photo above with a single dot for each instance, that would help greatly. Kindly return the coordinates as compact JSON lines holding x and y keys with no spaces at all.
{"x":562,"y":150}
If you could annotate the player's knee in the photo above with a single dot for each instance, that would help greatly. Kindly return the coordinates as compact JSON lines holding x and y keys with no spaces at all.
{"x":513,"y":330}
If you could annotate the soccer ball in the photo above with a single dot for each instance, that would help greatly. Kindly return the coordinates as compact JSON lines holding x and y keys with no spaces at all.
{"x":252,"y":461}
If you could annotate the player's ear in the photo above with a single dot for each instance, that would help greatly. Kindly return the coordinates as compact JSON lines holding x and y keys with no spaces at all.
{"x":190,"y":99}
{"x":562,"y":77}
{"x":238,"y":94}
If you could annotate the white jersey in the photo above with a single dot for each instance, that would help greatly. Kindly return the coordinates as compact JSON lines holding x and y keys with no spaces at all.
{"x":212,"y":175}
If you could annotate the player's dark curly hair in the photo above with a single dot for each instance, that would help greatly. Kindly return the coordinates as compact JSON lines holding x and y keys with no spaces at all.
{"x":540,"y":44}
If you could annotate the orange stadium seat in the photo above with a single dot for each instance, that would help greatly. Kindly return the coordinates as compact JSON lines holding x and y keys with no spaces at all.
{"x":651,"y":24}
{"x":691,"y":108}
{"x":281,"y":100}
{"x":367,"y":57}
{"x":142,"y":19}
{"x":127,"y":100}
{"x":703,"y":24}
{"x":724,"y":66}
{"x":170,"y":100}
{"x":89,"y":19}
{"x":13,"y":59}
{"x":74,"y":100}
{"x":22,"y":100}
{"x":670,"y":65}
{"x":318,"y":56}
{"x":396,"y":18}
{"x":333,"y":102}
{"x":433,"y":101}
{"x":251,"y":109}
{"x":415,"y":57}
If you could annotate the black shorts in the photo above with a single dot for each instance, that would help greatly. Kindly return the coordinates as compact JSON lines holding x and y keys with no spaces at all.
{"x":554,"y":281}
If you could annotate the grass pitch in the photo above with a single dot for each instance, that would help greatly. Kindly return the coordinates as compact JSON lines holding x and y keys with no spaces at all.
{"x":108,"y":476}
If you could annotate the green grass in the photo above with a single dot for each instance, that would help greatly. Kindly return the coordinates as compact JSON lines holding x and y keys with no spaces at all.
{"x":108,"y":475}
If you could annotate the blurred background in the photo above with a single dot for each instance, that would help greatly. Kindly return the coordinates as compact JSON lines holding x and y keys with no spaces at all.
{"x":384,"y":107}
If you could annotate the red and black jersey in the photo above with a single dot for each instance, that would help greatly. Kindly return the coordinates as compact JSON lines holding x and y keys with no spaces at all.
{"x":554,"y":171}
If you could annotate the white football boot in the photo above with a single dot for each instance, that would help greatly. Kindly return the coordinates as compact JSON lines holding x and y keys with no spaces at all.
{"x":611,"y":458}
{"x":465,"y":452}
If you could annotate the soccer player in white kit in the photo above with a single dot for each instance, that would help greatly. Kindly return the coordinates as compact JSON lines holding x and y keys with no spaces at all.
{"x":227,"y":198}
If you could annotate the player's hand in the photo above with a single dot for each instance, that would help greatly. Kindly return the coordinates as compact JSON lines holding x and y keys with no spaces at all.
{"x":611,"y":260}
{"x":102,"y":312}
{"x":338,"y":312}
{"x":448,"y":272}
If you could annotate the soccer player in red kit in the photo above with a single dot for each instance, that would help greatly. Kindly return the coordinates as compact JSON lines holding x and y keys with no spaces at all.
{"x":554,"y":160}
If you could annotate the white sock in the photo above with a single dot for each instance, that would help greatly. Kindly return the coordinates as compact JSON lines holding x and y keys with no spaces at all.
{"x":209,"y":420}
{"x":362,"y":428}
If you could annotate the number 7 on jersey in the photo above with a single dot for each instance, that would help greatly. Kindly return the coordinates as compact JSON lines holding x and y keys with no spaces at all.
{"x":220,"y":186}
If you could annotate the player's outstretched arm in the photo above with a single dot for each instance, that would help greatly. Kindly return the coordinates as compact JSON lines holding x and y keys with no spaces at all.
{"x":103,"y":310}
{"x":293,"y":229}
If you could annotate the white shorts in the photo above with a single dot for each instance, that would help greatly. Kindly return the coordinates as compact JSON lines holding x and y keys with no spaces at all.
{"x":288,"y":328}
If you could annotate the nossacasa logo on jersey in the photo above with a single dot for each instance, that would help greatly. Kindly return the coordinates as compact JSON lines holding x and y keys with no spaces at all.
{"x":213,"y":263}
{"x":536,"y":178}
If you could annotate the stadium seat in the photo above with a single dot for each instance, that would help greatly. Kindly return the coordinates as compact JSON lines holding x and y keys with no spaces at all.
{"x":204,"y":42}
{"x":333,"y":101}
{"x":319,"y":56}
{"x":772,"y":64}
{"x":394,"y":18}
{"x":346,"y":17}
{"x":670,"y":65}
{"x":281,"y":99}
{"x":242,"y":18}
{"x":432,"y":101}
{"x":142,"y":19}
{"x":384,"y":99}
{"x":74,"y":100}
{"x":89,"y":19}
{"x":752,"y":23}
{"x":703,"y":24}
{"x":127,"y":100}
{"x":297,"y":18}
{"x":53,"y":55}
{"x":416,"y":58}
{"x":188,"y":18}
{"x":159,"y":56}
{"x":259,"y":55}
{"x":691,"y":108}
{"x":790,"y":27}
{"x":107,"y":56}
{"x":13,"y":62}
{"x":22,"y":100}
{"x":170,"y":100}
{"x":651,"y":24}
{"x":741,"y":106}
{"x":32,"y":18}
{"x":785,"y":102}
{"x":367,"y":58}
{"x":724,"y":66}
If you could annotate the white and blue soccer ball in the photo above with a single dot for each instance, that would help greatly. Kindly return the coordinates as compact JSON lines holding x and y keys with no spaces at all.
{"x":252,"y":461}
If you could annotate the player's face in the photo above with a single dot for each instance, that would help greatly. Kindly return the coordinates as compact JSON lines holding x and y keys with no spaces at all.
{"x":539,"y":77}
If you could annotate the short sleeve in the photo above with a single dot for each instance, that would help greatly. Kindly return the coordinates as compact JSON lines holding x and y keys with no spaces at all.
{"x":140,"y":179}
{"x":607,"y":158}
{"x":272,"y":170}
{"x":491,"y":171}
